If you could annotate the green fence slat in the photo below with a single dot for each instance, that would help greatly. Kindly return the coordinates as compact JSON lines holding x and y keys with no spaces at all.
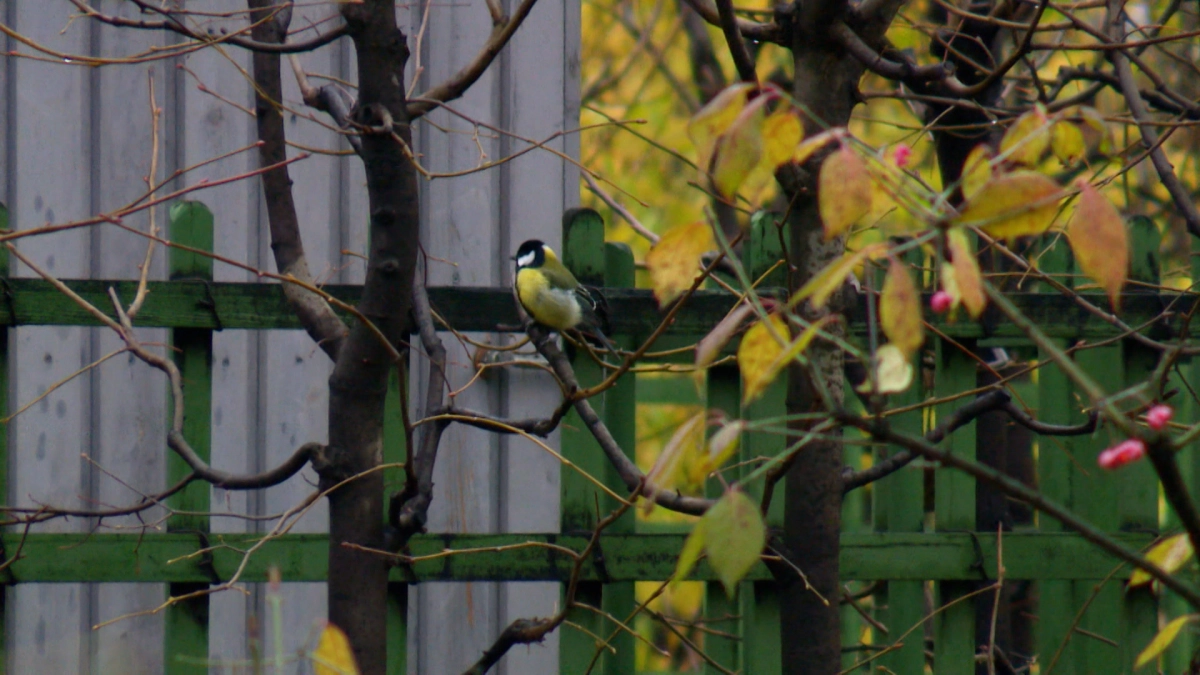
{"x":954,"y":510}
{"x":724,"y":393}
{"x":186,"y":634}
{"x":1138,"y":499}
{"x":395,"y":450}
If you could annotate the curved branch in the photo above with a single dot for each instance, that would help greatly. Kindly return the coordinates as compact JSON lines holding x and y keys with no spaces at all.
{"x":629,"y":473}
{"x":742,"y":59}
{"x":1137,"y":110}
{"x":171,"y":22}
{"x":903,"y":71}
{"x":463,"y":79}
{"x":315,"y":314}
{"x":752,"y":30}
{"x":230,"y":481}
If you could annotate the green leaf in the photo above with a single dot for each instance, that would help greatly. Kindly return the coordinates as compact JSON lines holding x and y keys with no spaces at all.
{"x":735,"y":535}
{"x":690,"y":553}
{"x":1170,"y":554}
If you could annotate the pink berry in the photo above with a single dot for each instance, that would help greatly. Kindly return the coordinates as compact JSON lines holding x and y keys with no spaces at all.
{"x":902,"y":154}
{"x":1121,"y":454}
{"x":941,"y":302}
{"x":1158,"y":416}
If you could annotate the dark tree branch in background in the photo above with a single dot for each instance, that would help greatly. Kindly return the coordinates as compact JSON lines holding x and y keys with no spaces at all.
{"x":1024,"y":493}
{"x":752,"y":30}
{"x":1162,"y":456}
{"x":742,"y":59}
{"x":330,"y":99}
{"x":629,"y":473}
{"x":1160,"y":101}
{"x":315,"y":314}
{"x":173,"y":22}
{"x":997,"y":399}
{"x":451,"y":89}
{"x":1137,"y":109}
{"x":939,"y":74}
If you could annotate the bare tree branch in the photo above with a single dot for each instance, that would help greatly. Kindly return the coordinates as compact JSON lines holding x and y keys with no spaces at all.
{"x":463,"y":79}
{"x":753,"y":30}
{"x":737,"y":46}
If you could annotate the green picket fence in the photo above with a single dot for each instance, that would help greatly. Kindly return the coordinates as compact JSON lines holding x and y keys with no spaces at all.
{"x":917,"y":556}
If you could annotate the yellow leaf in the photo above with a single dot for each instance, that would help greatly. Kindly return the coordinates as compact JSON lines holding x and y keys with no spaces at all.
{"x":796,"y":348}
{"x":721,"y":447}
{"x":811,"y":145}
{"x":690,"y":554}
{"x":893,"y":371}
{"x":333,"y":655}
{"x":688,"y":440}
{"x":1095,"y":130}
{"x":977,"y":170}
{"x":1170,"y":554}
{"x":1163,"y":640}
{"x":757,"y":353}
{"x":739,"y":149}
{"x":830,"y":279}
{"x":966,"y":272}
{"x":900,"y":310}
{"x":1027,"y":139}
{"x":1014,"y":205}
{"x":1066,"y":140}
{"x":707,"y":125}
{"x":1099,"y":241}
{"x":843,"y":191}
{"x":710,"y":346}
{"x":674,"y":262}
{"x":781,"y":133}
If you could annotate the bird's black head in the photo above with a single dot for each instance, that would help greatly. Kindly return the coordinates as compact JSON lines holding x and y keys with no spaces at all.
{"x":531,"y":254}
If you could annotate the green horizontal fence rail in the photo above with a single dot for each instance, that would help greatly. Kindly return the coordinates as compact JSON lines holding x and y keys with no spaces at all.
{"x":890,"y":541}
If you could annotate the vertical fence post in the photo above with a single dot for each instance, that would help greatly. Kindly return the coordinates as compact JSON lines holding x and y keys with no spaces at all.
{"x":954,"y":511}
{"x":395,"y":449}
{"x":584,"y":254}
{"x":191,"y":224}
{"x":761,"y":638}
{"x":4,"y":497}
{"x":724,"y":393}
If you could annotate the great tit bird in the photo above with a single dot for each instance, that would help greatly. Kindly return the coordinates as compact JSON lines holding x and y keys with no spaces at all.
{"x":554,"y":297}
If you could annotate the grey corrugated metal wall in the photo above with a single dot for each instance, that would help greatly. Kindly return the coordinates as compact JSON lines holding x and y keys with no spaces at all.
{"x":76,"y":141}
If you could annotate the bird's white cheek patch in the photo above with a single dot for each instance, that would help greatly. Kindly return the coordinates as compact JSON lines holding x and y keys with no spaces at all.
{"x":526,"y":259}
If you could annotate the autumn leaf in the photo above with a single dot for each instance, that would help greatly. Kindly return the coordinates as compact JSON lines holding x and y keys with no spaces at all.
{"x":1027,"y":139}
{"x":812,"y":144}
{"x":893,"y":371}
{"x":734,"y":537}
{"x":710,"y":346}
{"x":977,"y":170}
{"x":1099,"y":241}
{"x":721,"y":447}
{"x":674,"y":262}
{"x":781,"y":133}
{"x":1170,"y":554}
{"x":687,"y":441}
{"x":1012,"y":205}
{"x":967,"y":277}
{"x":1066,"y":141}
{"x":739,"y":149}
{"x":900,"y":309}
{"x":1095,"y":130}
{"x":707,"y":125}
{"x":758,"y":353}
{"x":333,"y":655}
{"x":1163,"y":640}
{"x":830,"y":279}
{"x":843,"y":190}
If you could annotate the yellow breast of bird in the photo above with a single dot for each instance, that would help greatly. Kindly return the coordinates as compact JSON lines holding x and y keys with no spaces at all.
{"x":551,"y":307}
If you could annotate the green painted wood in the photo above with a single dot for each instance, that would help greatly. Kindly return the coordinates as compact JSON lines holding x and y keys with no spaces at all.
{"x":1137,"y":489}
{"x":724,"y":393}
{"x":154,"y":558}
{"x":186,"y":634}
{"x":954,"y":510}
{"x":620,"y":416}
{"x":899,"y":503}
{"x":762,"y":640}
{"x":255,"y":306}
{"x":395,"y":451}
{"x":1055,"y":468}
{"x":582,"y":504}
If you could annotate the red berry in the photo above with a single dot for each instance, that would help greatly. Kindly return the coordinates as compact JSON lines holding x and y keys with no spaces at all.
{"x":1158,"y":416}
{"x":1121,"y":454}
{"x":941,"y":302}
{"x":902,"y":155}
